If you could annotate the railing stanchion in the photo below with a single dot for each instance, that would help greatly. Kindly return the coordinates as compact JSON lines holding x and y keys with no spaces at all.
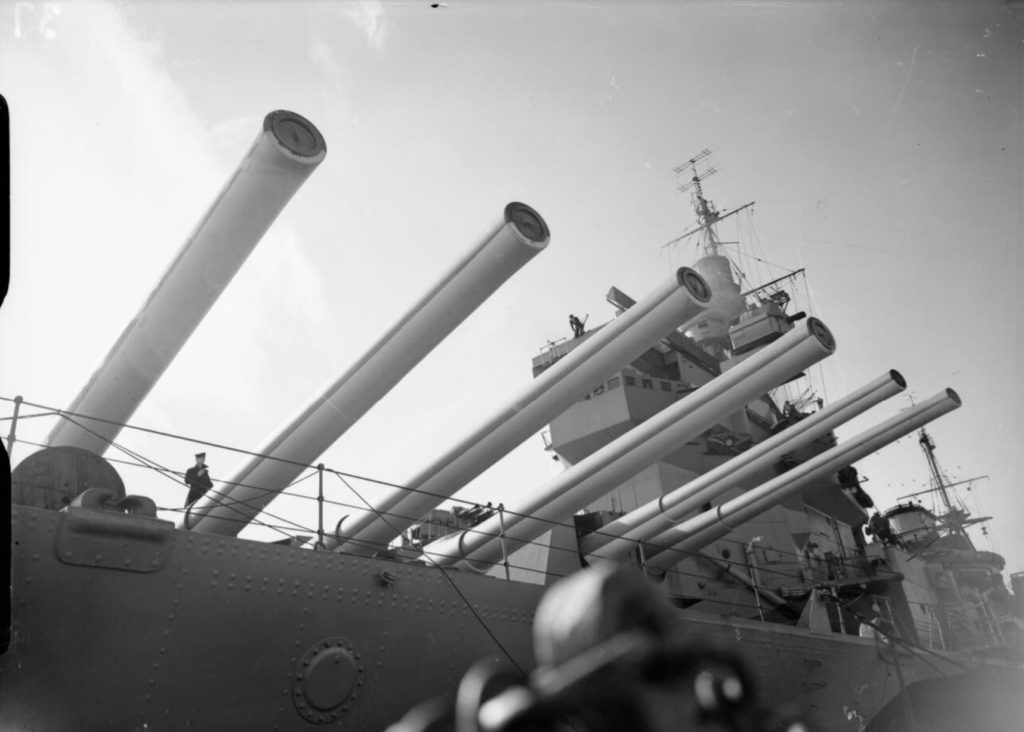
{"x":320,"y":507}
{"x":14,"y":427}
{"x":504,"y":552}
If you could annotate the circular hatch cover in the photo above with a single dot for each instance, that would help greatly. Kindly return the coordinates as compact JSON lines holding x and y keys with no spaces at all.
{"x":327,"y":680}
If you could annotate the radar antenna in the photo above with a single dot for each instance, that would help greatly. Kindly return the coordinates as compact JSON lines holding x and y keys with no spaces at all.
{"x":707,"y":214}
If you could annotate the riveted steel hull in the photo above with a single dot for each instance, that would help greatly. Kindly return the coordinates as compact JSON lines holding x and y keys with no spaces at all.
{"x":214,"y":632}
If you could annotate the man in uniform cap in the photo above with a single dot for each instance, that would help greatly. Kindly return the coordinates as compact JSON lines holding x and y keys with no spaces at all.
{"x":577,"y":326}
{"x":197,"y":478}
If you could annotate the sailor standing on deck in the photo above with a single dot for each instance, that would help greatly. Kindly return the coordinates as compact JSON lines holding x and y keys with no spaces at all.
{"x":577,"y":326}
{"x":197,"y":478}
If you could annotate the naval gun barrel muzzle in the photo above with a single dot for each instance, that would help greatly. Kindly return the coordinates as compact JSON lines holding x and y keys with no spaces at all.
{"x":286,"y":151}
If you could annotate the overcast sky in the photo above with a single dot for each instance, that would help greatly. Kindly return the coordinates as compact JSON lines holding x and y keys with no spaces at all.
{"x":881,"y":142}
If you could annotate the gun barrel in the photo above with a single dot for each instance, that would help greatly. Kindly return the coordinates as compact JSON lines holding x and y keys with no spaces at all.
{"x":287,"y":150}
{"x":678,"y":300}
{"x":253,"y":484}
{"x":662,"y":514}
{"x":641,"y":446}
{"x":705,"y":528}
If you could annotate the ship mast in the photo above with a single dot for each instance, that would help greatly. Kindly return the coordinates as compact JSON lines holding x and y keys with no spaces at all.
{"x":938,"y":478}
{"x":955,"y":518}
{"x":707,"y":214}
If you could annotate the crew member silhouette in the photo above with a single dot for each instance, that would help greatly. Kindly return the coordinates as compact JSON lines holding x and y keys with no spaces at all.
{"x":577,"y":326}
{"x":197,"y":478}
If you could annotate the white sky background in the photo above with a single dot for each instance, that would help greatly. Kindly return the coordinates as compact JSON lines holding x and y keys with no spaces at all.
{"x":881,"y":142}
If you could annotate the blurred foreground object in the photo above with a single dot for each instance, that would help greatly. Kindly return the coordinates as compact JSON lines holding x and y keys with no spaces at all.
{"x":605,"y":662}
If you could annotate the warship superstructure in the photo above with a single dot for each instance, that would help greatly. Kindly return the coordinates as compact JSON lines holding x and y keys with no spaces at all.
{"x":745,"y":514}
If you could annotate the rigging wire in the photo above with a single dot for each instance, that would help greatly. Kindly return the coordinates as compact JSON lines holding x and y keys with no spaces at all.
{"x":550,"y":522}
{"x":380,"y":546}
{"x":798,"y":557}
{"x":221,"y":446}
{"x":166,"y":472}
{"x":759,"y":246}
{"x":143,"y":462}
{"x":838,"y":563}
{"x":916,"y":650}
{"x":152,"y":464}
{"x":25,"y":416}
{"x":160,"y":433}
{"x":118,"y":461}
{"x":447,"y":576}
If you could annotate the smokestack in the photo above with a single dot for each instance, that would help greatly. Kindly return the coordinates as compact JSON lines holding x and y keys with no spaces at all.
{"x":641,"y":446}
{"x":662,"y":514}
{"x":679,"y":299}
{"x":253,"y":484}
{"x":705,"y":528}
{"x":286,"y":152}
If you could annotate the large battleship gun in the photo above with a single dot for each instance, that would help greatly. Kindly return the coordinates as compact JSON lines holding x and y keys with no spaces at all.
{"x":519,"y":236}
{"x":285,"y":153}
{"x":588,"y":479}
{"x":660,"y":515}
{"x":675,"y":302}
{"x":709,"y":526}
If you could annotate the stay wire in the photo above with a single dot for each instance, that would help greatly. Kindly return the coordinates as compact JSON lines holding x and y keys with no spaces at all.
{"x":142,"y":462}
{"x":221,"y":499}
{"x":376,"y":546}
{"x":118,"y":461}
{"x":229,"y":503}
{"x":160,"y":433}
{"x":447,"y":576}
{"x":246,"y":520}
{"x":686,"y":554}
{"x":206,"y":443}
{"x":916,"y":650}
{"x":166,"y":472}
{"x":341,"y":474}
{"x":760,"y":248}
{"x":761,"y":569}
{"x":229,"y":448}
{"x":845,"y":562}
{"x":152,"y":464}
{"x":169,"y":509}
{"x":48,"y":413}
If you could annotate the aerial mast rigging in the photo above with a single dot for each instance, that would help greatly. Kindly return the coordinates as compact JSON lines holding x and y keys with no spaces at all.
{"x":956,"y":517}
{"x":707,"y":214}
